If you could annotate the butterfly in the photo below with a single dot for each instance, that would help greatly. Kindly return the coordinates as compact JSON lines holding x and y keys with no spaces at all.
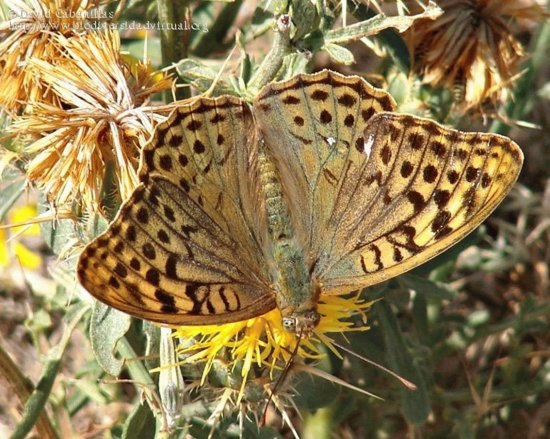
{"x":317,"y":187}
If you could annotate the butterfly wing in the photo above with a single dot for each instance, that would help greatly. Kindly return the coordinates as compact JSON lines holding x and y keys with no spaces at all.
{"x":184,"y":248}
{"x":422,"y":188}
{"x":312,"y":124}
{"x":380,"y":194}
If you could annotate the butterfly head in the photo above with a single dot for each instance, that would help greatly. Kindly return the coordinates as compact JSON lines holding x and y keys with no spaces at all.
{"x":301,"y":322}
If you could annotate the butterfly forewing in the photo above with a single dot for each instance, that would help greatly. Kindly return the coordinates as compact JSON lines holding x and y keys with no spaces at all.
{"x":310,"y":124}
{"x":184,"y":248}
{"x":421,"y":188}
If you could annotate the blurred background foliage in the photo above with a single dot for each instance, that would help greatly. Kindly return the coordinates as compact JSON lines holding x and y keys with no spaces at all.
{"x":471,"y":328}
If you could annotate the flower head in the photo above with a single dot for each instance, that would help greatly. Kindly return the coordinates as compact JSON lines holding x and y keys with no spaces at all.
{"x":258,"y":349}
{"x":472,"y":44}
{"x":27,"y":34}
{"x":97,"y":125}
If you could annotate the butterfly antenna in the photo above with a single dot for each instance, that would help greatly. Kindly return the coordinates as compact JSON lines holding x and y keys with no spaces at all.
{"x":409,"y":385}
{"x":281,"y":378}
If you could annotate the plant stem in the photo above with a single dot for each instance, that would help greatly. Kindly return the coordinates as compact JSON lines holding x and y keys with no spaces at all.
{"x":22,"y":389}
{"x":174,"y":41}
{"x":517,"y":108}
{"x":34,"y":406}
{"x":137,"y":371}
{"x":274,"y":59}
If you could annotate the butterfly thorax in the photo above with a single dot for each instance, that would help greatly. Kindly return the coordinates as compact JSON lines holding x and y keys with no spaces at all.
{"x":296,"y":291}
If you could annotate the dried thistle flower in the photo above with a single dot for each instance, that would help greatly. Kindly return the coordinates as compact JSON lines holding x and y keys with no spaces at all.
{"x":473,"y":45}
{"x":27,"y":34}
{"x":258,"y":349}
{"x":101,"y":120}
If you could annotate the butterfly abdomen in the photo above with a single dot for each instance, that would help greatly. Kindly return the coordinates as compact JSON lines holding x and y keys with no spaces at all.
{"x":292,"y":280}
{"x":278,"y":218}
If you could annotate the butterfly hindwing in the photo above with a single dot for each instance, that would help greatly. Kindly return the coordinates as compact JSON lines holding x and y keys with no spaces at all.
{"x":423,"y":188}
{"x":184,"y":248}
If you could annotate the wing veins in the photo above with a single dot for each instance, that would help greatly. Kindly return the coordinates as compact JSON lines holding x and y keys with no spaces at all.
{"x":212,"y":235}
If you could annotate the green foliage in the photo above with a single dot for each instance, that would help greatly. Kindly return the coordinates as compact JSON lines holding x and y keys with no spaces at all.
{"x":107,"y":327}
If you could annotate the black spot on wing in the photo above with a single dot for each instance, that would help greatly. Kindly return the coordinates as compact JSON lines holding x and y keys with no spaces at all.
{"x":168,"y":304}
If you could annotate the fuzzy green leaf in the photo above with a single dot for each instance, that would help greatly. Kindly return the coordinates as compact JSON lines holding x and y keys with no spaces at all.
{"x":416,"y":403}
{"x":59,"y":234}
{"x":305,"y":18}
{"x":339,"y":54}
{"x":107,"y":327}
{"x":202,"y":76}
{"x":9,"y":195}
{"x":140,"y":423}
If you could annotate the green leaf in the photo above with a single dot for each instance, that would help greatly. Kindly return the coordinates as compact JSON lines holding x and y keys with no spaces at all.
{"x":427,"y":287}
{"x":57,"y":234}
{"x":202,"y":76}
{"x":313,"y":392}
{"x":152,"y":343}
{"x":305,"y":18}
{"x":41,"y":320}
{"x":420,"y":318}
{"x":274,"y":7}
{"x":415,"y":403}
{"x":339,"y":54}
{"x":10,"y":194}
{"x":389,"y":38}
{"x":107,"y":327}
{"x":293,"y":64}
{"x":140,"y":423}
{"x":397,"y":49}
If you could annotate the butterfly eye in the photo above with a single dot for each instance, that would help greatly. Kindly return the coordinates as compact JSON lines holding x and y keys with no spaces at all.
{"x":289,"y":323}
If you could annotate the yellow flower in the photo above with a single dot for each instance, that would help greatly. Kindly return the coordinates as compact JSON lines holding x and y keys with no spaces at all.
{"x":14,"y":247}
{"x":98,"y":126}
{"x":261,"y":345}
{"x":472,"y":45}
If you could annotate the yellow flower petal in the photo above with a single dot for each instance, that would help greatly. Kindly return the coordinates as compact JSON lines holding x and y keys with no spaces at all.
{"x":27,"y":258}
{"x":4,"y":251}
{"x":23,"y":214}
{"x":262,"y":341}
